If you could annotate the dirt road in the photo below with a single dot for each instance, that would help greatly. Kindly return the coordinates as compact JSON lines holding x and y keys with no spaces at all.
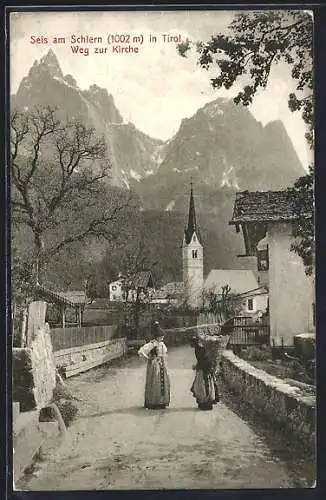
{"x":116,"y":444}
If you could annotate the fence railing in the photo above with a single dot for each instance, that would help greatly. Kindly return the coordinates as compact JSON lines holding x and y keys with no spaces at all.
{"x":65,"y":338}
{"x":244,"y":331}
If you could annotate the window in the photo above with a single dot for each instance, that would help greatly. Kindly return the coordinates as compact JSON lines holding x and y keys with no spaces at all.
{"x":114,"y":287}
{"x":250,"y":304}
{"x":114,"y":297}
{"x":194,"y":254}
{"x":314,"y":314}
{"x":263,"y":259}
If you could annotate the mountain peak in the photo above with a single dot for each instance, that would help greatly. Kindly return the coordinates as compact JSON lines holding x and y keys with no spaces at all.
{"x":48,"y":64}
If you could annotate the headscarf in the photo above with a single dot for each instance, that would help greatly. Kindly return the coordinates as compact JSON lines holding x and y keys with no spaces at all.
{"x":157,"y":330}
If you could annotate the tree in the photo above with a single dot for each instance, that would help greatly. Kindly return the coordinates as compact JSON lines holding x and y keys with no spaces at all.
{"x":57,"y":173}
{"x":303,"y":226}
{"x":246,"y":54}
{"x":222,"y":304}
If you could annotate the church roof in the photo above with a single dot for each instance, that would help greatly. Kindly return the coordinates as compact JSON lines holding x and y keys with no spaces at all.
{"x":192,"y":223}
{"x":239,"y":280}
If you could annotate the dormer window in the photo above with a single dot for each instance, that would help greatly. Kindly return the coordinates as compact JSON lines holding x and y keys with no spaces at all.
{"x":194,"y":254}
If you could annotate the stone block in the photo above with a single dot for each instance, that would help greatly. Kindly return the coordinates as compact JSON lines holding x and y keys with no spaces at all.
{"x":34,"y":372}
{"x":28,"y":437}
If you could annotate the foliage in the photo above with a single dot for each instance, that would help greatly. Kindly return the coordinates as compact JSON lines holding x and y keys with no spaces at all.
{"x":57,"y":171}
{"x":256,"y":353}
{"x":303,"y":227}
{"x":255,"y":42}
{"x":223,"y":304}
{"x":245,"y":55}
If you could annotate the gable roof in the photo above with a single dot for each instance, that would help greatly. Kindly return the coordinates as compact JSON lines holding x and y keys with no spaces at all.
{"x":70,"y":299}
{"x":264,"y":206}
{"x":239,"y":280}
{"x":142,"y":279}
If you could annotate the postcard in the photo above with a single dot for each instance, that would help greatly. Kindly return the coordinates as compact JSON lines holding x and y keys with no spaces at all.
{"x":163,"y":255}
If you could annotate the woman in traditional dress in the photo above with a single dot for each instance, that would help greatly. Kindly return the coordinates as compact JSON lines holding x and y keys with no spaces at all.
{"x":157,"y":388}
{"x":204,"y":387}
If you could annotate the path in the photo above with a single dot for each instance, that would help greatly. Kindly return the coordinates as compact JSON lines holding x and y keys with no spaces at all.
{"x":116,"y":444}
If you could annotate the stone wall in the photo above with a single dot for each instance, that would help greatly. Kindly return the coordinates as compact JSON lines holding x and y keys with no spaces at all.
{"x":284,"y":405}
{"x":34,"y":373}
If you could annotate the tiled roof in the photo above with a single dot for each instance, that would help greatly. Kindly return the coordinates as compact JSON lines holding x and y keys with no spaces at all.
{"x":239,"y":280}
{"x":142,"y":279}
{"x":70,"y":299}
{"x":76,"y":296}
{"x":263,"y":206}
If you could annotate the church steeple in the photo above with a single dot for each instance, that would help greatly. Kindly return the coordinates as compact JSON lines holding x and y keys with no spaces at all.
{"x":192,"y":259}
{"x":192,"y":223}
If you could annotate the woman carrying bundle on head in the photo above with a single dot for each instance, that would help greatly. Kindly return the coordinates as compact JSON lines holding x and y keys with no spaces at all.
{"x":157,"y":387}
{"x":204,"y":387}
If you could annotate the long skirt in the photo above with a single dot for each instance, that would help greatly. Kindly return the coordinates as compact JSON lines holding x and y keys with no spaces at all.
{"x":205,"y":390}
{"x":157,"y":388}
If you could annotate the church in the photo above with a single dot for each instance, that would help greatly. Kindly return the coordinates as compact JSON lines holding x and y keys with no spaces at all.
{"x":241,"y":281}
{"x":192,"y":259}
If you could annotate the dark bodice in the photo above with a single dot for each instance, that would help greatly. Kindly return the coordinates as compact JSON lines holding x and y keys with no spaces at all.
{"x":202,"y":358}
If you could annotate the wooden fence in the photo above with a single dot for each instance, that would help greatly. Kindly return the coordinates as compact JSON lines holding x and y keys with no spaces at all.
{"x":244,"y":331}
{"x":65,"y":338}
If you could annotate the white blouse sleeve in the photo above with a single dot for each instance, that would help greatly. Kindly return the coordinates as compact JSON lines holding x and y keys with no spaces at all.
{"x":145,"y":350}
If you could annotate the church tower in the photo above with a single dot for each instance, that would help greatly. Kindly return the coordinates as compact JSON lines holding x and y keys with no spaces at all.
{"x":193,"y":259}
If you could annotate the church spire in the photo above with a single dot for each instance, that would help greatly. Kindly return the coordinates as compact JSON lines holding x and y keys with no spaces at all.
{"x":192,"y":224}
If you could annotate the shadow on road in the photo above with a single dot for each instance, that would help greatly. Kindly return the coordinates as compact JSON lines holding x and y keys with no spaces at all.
{"x":139,"y":411}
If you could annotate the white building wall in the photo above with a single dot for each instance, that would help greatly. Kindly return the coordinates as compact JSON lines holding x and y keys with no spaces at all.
{"x":290,"y":289}
{"x":193,"y":272}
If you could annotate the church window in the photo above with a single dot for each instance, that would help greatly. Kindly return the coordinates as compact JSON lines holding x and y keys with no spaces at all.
{"x":194,"y":254}
{"x":194,"y":238}
{"x":114,"y":287}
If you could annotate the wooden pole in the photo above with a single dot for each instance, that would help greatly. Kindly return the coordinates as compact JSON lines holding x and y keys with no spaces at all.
{"x":79,"y":317}
{"x":63,"y":317}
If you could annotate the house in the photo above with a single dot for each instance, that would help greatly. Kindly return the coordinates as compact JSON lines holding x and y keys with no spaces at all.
{"x":239,"y":281}
{"x":170,"y":293}
{"x":253,"y":302}
{"x":248,"y":297}
{"x":117,"y":290}
{"x":266,"y":219}
{"x":138,"y":285}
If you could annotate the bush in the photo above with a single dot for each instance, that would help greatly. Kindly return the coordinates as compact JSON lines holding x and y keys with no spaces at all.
{"x":64,"y":399}
{"x":68,"y":410}
{"x":255,"y":353}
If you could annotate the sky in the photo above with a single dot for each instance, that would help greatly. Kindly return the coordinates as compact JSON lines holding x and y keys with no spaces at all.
{"x":154,"y":88}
